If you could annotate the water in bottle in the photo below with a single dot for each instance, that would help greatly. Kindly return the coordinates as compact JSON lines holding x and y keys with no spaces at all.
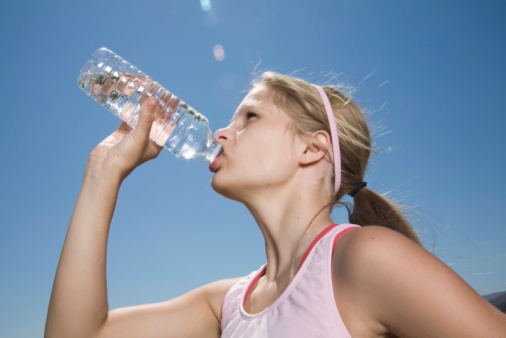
{"x":122,"y":88}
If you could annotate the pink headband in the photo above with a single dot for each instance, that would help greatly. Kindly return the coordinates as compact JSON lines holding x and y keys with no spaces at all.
{"x":334,"y":137}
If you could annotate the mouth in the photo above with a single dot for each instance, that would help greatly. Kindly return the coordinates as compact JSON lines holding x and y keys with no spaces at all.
{"x":214,"y":166}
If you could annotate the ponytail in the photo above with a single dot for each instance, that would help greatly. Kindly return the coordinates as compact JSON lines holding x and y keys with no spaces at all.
{"x":371,"y":208}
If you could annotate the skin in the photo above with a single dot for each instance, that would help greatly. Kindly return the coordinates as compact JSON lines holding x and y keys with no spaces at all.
{"x":384,"y":284}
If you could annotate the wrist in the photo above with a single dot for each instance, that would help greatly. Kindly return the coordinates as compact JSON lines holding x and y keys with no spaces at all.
{"x":103,"y":174}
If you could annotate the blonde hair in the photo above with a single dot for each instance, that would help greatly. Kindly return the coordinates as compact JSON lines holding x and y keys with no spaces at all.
{"x":303,"y":103}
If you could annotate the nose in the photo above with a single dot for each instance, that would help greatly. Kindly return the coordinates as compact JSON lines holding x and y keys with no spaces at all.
{"x":223,"y":134}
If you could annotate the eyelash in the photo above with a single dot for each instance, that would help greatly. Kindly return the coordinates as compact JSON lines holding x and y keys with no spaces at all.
{"x":250,"y":115}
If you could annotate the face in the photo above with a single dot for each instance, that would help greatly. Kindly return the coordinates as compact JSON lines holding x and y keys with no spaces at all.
{"x":260,"y":149}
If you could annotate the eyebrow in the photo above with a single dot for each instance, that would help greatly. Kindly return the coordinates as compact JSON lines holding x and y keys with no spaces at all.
{"x":242,"y":109}
{"x":252,"y":102}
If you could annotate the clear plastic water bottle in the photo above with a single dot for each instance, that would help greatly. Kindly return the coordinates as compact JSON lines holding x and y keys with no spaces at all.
{"x":122,"y":88}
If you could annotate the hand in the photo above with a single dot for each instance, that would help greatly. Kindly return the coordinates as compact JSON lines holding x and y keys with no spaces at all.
{"x":125,"y":149}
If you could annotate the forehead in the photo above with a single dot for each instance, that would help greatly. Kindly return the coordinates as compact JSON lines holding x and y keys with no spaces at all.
{"x":258,"y":99}
{"x":255,"y":98}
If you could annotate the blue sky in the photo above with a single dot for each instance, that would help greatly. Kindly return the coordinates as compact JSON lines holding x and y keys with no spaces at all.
{"x":430,"y":74}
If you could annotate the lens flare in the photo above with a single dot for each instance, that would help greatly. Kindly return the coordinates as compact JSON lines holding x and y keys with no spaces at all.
{"x":219,"y":52}
{"x":206,"y":5}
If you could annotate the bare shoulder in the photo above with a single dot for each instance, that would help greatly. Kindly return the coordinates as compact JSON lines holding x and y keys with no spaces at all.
{"x":215,"y":294}
{"x":408,"y":291}
{"x":367,"y":241}
{"x":374,"y":249}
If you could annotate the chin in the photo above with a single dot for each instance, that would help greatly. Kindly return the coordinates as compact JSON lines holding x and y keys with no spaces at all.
{"x":218,"y":185}
{"x":226,"y":189}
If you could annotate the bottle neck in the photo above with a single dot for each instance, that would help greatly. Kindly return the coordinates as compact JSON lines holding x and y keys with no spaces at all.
{"x":212,"y":151}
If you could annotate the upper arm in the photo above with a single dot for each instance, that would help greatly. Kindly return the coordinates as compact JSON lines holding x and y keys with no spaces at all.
{"x":409,"y":292}
{"x":195,"y":314}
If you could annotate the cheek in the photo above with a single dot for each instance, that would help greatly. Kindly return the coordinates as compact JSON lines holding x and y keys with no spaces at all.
{"x":274,"y":156}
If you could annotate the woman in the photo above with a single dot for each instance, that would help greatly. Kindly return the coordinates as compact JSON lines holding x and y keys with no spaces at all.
{"x":291,"y":152}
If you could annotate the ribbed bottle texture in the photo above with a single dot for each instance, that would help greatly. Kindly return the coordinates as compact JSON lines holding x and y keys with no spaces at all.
{"x":122,"y":88}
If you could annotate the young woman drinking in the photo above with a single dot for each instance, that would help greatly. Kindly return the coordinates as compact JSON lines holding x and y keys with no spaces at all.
{"x":290,"y":154}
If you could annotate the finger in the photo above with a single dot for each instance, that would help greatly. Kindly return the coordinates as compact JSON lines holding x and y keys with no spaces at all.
{"x":117,"y":135}
{"x":146,"y":118}
{"x":124,"y":127}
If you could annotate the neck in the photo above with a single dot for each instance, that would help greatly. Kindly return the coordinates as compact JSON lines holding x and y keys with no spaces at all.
{"x":289,"y":220}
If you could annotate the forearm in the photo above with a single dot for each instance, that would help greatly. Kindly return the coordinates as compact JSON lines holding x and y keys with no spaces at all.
{"x":78,"y":305}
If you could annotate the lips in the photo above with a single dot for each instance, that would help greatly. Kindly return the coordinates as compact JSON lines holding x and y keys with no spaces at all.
{"x":214,"y":166}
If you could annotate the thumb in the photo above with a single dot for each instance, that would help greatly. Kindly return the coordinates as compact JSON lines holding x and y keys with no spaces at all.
{"x":146,"y":118}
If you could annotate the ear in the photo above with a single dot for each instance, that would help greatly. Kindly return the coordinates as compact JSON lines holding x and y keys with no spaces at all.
{"x":315,"y":147}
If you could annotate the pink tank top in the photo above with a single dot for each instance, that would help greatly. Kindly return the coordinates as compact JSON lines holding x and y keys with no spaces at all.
{"x":306,"y":309}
